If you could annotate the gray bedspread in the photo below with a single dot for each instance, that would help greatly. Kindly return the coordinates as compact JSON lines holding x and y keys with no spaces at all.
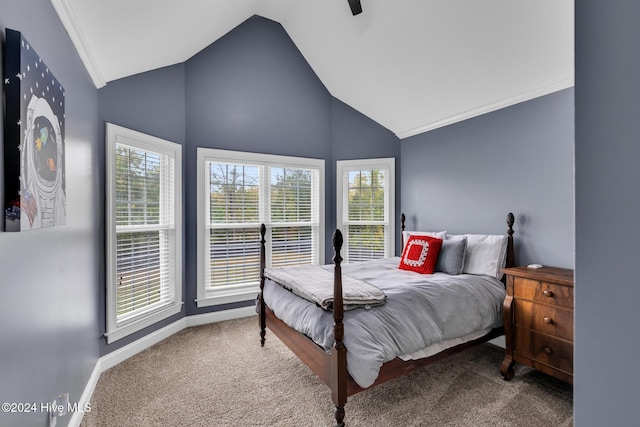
{"x":420,"y":310}
{"x":315,"y":283}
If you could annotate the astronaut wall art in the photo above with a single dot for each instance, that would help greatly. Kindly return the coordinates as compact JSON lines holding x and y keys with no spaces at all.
{"x":34,"y":173}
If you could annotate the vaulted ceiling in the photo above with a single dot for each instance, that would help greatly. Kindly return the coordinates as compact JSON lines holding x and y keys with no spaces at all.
{"x":410,"y":65}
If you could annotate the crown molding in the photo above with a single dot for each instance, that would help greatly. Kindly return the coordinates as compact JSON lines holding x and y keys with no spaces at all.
{"x":70,"y":23}
{"x":506,"y":102}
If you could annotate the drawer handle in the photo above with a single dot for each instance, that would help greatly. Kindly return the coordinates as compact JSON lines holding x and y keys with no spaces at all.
{"x":547,"y":350}
{"x":548,"y":293}
{"x":547,"y":320}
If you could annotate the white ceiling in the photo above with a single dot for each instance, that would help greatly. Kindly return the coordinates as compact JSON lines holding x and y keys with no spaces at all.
{"x":410,"y":65}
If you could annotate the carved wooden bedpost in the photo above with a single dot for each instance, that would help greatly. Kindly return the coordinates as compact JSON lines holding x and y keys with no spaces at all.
{"x":339,"y":351}
{"x":402,"y":219}
{"x":506,"y":367}
{"x":261,"y":305}
{"x":510,"y":253}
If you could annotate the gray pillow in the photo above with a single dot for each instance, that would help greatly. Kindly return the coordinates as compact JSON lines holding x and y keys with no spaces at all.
{"x":451,"y":256}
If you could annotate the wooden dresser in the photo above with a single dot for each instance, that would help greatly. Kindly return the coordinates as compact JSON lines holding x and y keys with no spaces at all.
{"x":538,"y":321}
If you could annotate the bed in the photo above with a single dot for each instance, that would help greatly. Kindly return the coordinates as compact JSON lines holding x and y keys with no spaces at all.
{"x":462,"y":310}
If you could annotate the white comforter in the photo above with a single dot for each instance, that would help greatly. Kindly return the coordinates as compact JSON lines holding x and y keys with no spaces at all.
{"x":420,"y":310}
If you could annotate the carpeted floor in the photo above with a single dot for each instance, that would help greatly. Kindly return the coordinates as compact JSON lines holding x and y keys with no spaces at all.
{"x":217,"y":375}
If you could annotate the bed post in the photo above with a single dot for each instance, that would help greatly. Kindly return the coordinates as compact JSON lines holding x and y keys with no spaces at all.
{"x":510,"y":252}
{"x":261,"y":305}
{"x":402,"y":219}
{"x":338,"y":351}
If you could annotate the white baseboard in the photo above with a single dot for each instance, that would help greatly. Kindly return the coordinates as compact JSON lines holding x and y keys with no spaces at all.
{"x":220,"y":316}
{"x":76,"y":418}
{"x":118,"y":356}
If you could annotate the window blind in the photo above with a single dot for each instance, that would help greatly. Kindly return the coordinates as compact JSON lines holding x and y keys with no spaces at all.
{"x":366,"y":196}
{"x":241,"y":196}
{"x":365,"y":215}
{"x":144,"y":224}
{"x":145,"y":230}
{"x":293,"y":216}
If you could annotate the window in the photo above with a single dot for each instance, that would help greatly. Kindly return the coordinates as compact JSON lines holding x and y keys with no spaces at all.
{"x":237,"y":192}
{"x":144,"y":228}
{"x":366,"y":204}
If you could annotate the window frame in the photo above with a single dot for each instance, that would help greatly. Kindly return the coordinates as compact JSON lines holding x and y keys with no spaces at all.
{"x":237,"y":293}
{"x":343,"y":167}
{"x":119,"y":135}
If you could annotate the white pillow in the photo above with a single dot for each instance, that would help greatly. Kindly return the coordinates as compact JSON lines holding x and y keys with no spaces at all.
{"x":485,"y":254}
{"x":406,"y":234}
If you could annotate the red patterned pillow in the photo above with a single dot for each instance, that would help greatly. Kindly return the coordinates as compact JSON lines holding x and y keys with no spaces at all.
{"x":421,"y":254}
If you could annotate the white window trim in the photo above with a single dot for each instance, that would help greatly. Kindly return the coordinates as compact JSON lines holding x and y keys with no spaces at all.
{"x":117,"y":134}
{"x":342,"y":168}
{"x":237,"y":293}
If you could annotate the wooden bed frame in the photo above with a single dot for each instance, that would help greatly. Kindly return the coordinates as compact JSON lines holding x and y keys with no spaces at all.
{"x":331,"y":367}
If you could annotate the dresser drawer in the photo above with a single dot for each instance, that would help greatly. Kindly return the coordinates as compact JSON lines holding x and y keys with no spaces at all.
{"x":544,"y":318}
{"x":550,"y":351}
{"x":547,"y":293}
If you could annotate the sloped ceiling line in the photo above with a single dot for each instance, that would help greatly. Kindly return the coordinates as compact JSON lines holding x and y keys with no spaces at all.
{"x":70,"y":22}
{"x":484,"y":109}
{"x":411,"y":68}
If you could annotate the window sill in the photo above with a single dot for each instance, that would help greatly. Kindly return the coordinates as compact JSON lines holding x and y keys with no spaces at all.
{"x":137,"y":325}
{"x":228,"y":296}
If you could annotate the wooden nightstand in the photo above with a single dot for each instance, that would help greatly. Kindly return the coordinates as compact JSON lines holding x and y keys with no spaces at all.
{"x":538,"y":321}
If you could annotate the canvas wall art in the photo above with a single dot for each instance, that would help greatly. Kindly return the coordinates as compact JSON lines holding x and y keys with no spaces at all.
{"x":34,"y":149}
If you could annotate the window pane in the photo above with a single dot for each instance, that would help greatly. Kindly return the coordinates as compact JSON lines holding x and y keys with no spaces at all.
{"x":137,"y":186}
{"x":293,"y":245}
{"x":141,"y":271}
{"x":366,"y":197}
{"x":366,"y":242}
{"x":234,"y":255}
{"x":234,"y":193}
{"x":291,"y":195}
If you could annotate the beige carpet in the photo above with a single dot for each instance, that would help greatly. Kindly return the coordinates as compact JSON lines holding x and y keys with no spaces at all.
{"x":217,"y":375}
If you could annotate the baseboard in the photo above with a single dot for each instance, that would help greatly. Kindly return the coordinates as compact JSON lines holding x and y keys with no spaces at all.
{"x":87,"y":394}
{"x":220,"y":316}
{"x":118,"y":356}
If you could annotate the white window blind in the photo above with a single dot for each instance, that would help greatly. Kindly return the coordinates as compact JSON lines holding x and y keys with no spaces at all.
{"x":144,"y":272}
{"x":293,"y":216}
{"x":233,"y":222}
{"x":365,"y":208}
{"x":240,"y":191}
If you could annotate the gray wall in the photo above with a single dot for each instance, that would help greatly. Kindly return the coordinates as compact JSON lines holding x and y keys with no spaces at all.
{"x":466,"y":177}
{"x":153,"y":103}
{"x":607,"y":337}
{"x":355,"y":136}
{"x":252,"y":91}
{"x":49,"y":277}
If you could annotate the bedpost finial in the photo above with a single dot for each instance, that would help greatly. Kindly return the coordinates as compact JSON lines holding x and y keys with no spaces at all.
{"x":263,"y":229}
{"x":510,"y":221}
{"x":337,"y":245}
{"x":337,"y":239}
